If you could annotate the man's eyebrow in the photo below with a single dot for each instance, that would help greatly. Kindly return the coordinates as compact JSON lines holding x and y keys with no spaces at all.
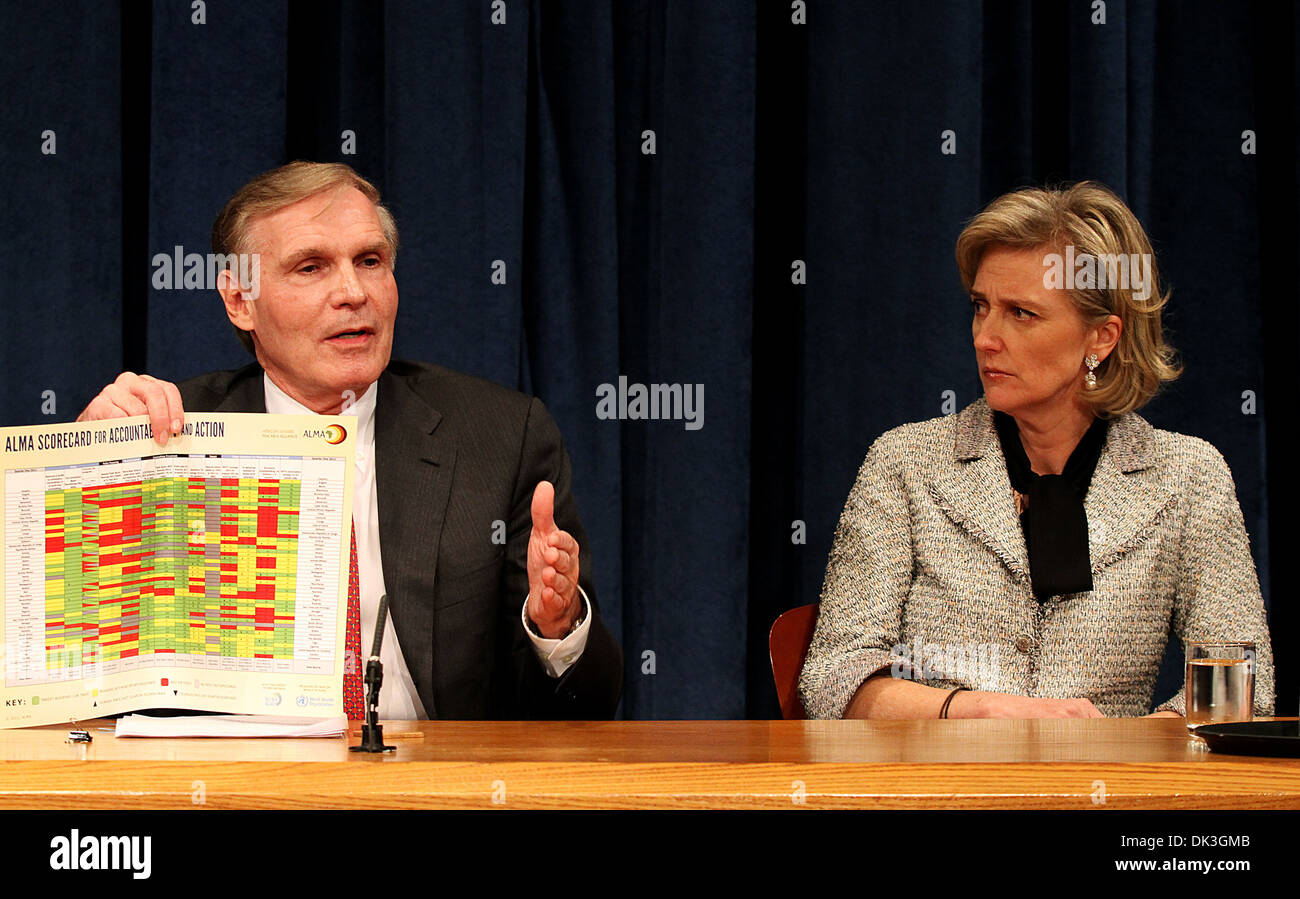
{"x":379,"y":247}
{"x":298,"y":256}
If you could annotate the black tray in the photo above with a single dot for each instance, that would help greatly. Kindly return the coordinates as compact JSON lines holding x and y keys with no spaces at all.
{"x":1278,"y":738}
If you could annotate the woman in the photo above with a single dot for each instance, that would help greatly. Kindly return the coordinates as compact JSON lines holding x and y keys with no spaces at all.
{"x":1031,"y":556}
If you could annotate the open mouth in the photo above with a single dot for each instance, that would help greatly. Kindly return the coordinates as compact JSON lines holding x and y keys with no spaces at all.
{"x":353,"y":335}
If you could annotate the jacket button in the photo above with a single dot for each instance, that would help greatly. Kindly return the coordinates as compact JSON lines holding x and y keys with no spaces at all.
{"x":1024,"y":643}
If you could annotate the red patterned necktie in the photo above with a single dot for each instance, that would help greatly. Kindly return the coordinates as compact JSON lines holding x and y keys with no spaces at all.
{"x":354,"y":704}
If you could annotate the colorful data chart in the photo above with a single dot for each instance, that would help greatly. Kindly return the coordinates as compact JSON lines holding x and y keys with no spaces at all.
{"x":195,"y":565}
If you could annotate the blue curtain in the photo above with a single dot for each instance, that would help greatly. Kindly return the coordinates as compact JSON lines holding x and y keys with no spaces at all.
{"x":787,"y":137}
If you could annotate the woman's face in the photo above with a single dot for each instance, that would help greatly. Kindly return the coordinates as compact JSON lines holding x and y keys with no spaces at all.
{"x":1030,"y":340}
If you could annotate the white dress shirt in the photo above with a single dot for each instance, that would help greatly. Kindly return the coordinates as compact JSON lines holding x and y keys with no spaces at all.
{"x":398,"y":699}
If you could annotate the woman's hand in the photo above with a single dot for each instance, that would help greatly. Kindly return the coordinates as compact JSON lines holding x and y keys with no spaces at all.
{"x":882,"y":696}
{"x":979,"y":704}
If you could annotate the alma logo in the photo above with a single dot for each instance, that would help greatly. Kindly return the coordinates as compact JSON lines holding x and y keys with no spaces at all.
{"x":78,"y":853}
{"x":334,"y":434}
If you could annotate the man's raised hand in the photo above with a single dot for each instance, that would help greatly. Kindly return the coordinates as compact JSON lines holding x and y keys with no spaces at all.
{"x":133,"y":394}
{"x":553,"y":599}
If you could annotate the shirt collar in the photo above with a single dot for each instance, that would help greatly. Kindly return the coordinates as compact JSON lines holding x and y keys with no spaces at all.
{"x":280,"y":403}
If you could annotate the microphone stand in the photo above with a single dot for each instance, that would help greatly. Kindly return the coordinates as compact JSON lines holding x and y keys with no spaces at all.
{"x":372,"y":732}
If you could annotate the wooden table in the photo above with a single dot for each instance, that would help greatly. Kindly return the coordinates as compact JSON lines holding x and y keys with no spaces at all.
{"x":976,"y":764}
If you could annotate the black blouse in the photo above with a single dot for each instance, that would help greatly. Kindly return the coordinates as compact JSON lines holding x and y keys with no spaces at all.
{"x":1055,"y":525}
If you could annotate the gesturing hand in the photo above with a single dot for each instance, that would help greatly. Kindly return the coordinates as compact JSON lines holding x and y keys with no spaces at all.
{"x":553,"y":599}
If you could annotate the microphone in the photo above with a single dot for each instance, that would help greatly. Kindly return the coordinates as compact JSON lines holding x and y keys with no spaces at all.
{"x":372,"y":733}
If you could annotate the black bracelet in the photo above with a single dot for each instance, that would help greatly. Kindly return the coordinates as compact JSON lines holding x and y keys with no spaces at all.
{"x":943,"y":712}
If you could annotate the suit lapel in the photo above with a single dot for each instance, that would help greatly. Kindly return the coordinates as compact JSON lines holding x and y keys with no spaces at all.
{"x":1126,"y":493}
{"x":976,"y":494}
{"x":247,"y":392}
{"x":413,"y":473}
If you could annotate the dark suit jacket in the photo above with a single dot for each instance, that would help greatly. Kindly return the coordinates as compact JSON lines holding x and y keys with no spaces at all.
{"x":454,"y":454}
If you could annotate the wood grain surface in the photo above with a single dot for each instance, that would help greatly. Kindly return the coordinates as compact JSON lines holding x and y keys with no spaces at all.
{"x":977,"y":764}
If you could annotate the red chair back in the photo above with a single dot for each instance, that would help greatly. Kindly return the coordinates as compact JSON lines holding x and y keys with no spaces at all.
{"x":787,"y":644}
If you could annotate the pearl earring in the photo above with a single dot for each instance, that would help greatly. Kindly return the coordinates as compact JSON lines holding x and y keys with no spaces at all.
{"x":1090,"y":379}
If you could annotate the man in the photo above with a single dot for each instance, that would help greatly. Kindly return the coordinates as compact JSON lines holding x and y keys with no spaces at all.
{"x":445,"y":462}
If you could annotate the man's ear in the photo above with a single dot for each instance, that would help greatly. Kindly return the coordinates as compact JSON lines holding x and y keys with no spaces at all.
{"x":239,"y":300}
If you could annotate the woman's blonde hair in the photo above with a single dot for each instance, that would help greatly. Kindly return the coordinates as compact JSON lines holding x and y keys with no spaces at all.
{"x":1094,"y":221}
{"x":272,"y":191}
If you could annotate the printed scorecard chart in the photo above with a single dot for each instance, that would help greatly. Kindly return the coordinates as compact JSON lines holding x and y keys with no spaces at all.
{"x":209,"y":574}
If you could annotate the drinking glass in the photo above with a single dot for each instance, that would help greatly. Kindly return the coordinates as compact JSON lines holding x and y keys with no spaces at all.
{"x":1220,"y":682}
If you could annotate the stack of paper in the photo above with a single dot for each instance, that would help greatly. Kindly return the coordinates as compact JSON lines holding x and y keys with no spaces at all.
{"x":230,"y":726}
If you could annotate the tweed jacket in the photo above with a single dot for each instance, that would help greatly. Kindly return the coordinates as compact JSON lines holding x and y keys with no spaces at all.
{"x":928,"y":574}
